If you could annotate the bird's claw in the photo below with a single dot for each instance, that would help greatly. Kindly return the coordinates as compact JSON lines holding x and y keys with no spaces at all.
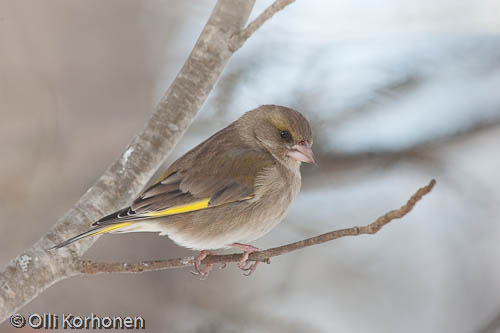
{"x":251,"y":269}
{"x":202,"y":272}
{"x":201,"y":275}
{"x":243,"y":263}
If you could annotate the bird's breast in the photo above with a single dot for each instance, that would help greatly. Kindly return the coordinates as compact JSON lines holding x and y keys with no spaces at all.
{"x":275,"y":193}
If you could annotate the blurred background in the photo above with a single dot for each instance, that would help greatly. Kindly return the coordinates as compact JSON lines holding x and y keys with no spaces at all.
{"x":397,"y":92}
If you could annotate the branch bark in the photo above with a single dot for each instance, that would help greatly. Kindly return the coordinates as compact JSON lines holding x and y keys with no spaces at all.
{"x":36,"y":269}
{"x":90,"y":267}
{"x":240,"y":38}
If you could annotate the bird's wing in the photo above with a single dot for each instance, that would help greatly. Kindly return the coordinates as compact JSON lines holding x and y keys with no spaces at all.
{"x":189,"y":185}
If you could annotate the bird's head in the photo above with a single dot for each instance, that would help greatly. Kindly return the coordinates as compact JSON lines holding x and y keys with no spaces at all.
{"x":284,"y":132}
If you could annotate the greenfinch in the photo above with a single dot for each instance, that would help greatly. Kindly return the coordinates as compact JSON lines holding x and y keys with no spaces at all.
{"x":231,"y":189}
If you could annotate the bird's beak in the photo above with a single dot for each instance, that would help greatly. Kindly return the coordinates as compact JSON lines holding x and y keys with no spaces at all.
{"x":302,"y":152}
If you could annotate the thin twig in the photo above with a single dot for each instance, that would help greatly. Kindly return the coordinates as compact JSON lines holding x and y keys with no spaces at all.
{"x":239,"y":39}
{"x":90,"y":267}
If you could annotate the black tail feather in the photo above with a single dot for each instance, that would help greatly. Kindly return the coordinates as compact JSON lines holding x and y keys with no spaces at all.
{"x":75,"y":238}
{"x":111,"y":218}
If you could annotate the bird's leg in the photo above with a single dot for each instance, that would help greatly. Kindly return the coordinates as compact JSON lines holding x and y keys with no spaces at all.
{"x":197,"y":262}
{"x":242,"y":263}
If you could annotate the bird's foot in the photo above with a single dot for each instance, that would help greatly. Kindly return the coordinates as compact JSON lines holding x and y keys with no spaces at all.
{"x":243,"y":263}
{"x":202,"y":271}
{"x":251,"y":269}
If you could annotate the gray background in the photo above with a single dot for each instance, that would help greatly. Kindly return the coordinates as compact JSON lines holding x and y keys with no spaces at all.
{"x":398,"y":92}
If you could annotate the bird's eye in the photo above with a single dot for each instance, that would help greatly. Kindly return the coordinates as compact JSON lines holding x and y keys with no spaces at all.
{"x":285,"y":135}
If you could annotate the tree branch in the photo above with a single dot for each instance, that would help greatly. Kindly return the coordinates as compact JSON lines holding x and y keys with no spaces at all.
{"x":240,"y":38}
{"x":34,"y":270}
{"x":90,"y":267}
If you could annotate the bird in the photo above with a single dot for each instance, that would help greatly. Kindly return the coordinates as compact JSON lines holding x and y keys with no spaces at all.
{"x":228,"y":191}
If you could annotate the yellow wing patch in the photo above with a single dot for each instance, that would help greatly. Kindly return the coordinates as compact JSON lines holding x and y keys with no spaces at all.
{"x":190,"y":207}
{"x":111,"y":228}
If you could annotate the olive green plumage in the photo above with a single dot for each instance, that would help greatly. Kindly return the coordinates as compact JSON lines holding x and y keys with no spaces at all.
{"x":232,"y":188}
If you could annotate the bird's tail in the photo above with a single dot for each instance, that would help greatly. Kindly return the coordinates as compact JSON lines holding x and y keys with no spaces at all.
{"x":92,"y":232}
